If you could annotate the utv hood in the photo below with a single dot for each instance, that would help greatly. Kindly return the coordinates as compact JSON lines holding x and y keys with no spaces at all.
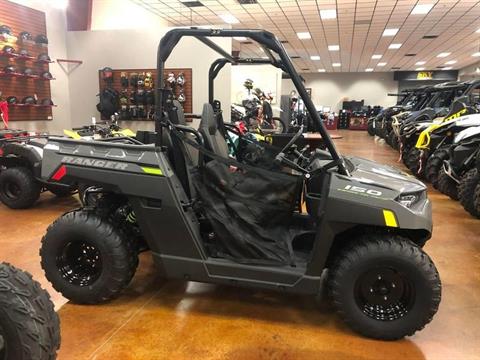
{"x":389,"y":177}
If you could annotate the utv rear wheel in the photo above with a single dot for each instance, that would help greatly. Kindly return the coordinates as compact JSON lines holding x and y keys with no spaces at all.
{"x":466,"y":191}
{"x":18,"y":188}
{"x":86,"y":258}
{"x":370,"y":128}
{"x":384,"y":287}
{"x":446,"y":185}
{"x":29,"y":326}
{"x":434,"y":165}
{"x":476,"y":198}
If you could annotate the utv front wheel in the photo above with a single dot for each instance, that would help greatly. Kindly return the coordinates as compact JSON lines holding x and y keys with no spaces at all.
{"x":86,"y":258}
{"x":385,"y":287}
{"x":18,"y":188}
{"x":446,"y":185}
{"x":466,"y":191}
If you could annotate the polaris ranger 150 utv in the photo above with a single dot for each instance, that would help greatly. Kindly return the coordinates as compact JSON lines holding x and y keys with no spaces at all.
{"x":219,"y":220}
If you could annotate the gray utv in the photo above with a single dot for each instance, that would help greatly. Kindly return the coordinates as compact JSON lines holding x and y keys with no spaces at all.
{"x":277,"y":220}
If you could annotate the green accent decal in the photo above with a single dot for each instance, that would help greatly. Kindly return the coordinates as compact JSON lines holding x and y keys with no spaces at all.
{"x":152,"y":171}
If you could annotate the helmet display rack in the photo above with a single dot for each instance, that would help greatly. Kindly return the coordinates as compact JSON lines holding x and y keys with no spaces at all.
{"x":182,"y":88}
{"x":27,"y":54}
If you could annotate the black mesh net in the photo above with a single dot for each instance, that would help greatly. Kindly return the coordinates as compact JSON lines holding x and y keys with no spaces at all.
{"x":250,"y":210}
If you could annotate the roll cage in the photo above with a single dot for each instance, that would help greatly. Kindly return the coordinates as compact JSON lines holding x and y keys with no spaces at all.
{"x":271,"y":47}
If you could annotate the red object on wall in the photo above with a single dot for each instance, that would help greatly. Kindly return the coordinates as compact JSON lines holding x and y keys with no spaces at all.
{"x":79,"y":15}
{"x":4,"y":112}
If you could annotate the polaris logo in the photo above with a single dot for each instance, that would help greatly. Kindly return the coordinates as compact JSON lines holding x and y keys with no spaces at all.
{"x":106,"y":164}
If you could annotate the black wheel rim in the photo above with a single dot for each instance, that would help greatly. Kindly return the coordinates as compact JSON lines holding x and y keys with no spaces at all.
{"x":3,"y":345}
{"x":384,"y":294}
{"x":11,"y":190}
{"x":80,"y":263}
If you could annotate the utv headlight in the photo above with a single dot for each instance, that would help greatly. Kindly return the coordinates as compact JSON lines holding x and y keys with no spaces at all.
{"x":408,"y":200}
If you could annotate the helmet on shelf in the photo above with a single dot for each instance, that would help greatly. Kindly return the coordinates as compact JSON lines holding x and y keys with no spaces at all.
{"x":25,"y":35}
{"x":46,"y":75}
{"x":12,"y":100}
{"x":30,"y":100}
{"x":28,"y":72}
{"x":248,"y":84}
{"x":5,"y":30}
{"x":7,"y":49}
{"x":47,"y":101}
{"x":41,"y":39}
{"x":9,"y":69}
{"x":43,"y":57}
{"x":23,"y":52}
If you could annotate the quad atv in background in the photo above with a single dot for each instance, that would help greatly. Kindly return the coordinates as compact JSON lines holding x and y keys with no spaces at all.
{"x":460,"y":160}
{"x":20,"y":167}
{"x":29,"y":326}
{"x":216,"y":219}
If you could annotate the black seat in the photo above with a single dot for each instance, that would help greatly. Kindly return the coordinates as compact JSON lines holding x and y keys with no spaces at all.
{"x":214,"y":139}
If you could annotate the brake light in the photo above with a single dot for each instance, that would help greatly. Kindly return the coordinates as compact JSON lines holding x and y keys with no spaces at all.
{"x":60,"y":173}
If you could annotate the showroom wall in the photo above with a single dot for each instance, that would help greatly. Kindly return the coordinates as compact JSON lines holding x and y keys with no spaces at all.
{"x":470,"y":72}
{"x":57,"y":48}
{"x":136,"y":49}
{"x":331,"y":89}
{"x":266,"y":77}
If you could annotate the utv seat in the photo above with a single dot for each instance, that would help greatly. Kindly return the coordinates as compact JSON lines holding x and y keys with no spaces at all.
{"x":214,"y":139}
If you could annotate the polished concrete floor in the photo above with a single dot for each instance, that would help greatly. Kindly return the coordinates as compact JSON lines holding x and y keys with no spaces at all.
{"x":158,"y":319}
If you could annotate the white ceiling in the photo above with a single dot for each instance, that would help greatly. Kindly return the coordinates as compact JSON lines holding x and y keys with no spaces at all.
{"x":357,"y":29}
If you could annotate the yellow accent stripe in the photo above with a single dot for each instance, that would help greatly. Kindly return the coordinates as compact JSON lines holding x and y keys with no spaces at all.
{"x":152,"y":171}
{"x":72,"y":134}
{"x":390,"y":219}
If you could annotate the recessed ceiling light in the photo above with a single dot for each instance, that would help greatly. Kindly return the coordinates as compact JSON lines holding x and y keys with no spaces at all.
{"x":240,"y":38}
{"x":229,"y":18}
{"x":333,"y":47}
{"x":328,"y":14}
{"x":294,"y":57}
{"x":315,"y":57}
{"x":451,"y":62}
{"x":476,"y":54}
{"x":395,"y":46}
{"x":420,"y":69}
{"x":247,"y":2}
{"x":321,"y":70}
{"x":478,"y":31}
{"x":304,"y":35}
{"x":390,"y":32}
{"x":447,"y":68}
{"x":336,"y":64}
{"x":444,"y":54}
{"x":192,"y":3}
{"x":382,"y":64}
{"x":420,"y":63}
{"x":376,"y":56}
{"x":430,"y":37}
{"x":368,"y":70}
{"x":422,"y":9}
{"x":411,"y":55}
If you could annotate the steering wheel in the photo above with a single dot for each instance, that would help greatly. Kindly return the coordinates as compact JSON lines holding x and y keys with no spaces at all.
{"x":280,"y":158}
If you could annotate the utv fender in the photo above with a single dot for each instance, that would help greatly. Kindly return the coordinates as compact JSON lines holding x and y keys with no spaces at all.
{"x":13,"y":154}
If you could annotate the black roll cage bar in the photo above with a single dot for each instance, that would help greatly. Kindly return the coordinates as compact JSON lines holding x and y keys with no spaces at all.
{"x":270,"y":45}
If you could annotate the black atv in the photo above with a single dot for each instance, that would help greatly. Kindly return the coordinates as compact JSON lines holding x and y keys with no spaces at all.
{"x":456,"y":177}
{"x":29,"y":326}
{"x":20,"y":167}
{"x":220,"y":220}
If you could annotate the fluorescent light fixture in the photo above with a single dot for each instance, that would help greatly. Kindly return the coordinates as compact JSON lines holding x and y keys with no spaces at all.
{"x":420,"y":69}
{"x":321,"y":70}
{"x":451,"y":62}
{"x":328,"y":14}
{"x":336,"y":64}
{"x":229,"y":18}
{"x":420,"y":63}
{"x":333,"y":47}
{"x":315,"y":57}
{"x":304,"y":35}
{"x":376,"y":56}
{"x":444,"y":54}
{"x":476,"y":54}
{"x":368,"y":70}
{"x":395,"y":46}
{"x":240,"y":38}
{"x":382,"y":64}
{"x":447,"y":68}
{"x":478,"y":31}
{"x":422,"y":9}
{"x":390,"y":32}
